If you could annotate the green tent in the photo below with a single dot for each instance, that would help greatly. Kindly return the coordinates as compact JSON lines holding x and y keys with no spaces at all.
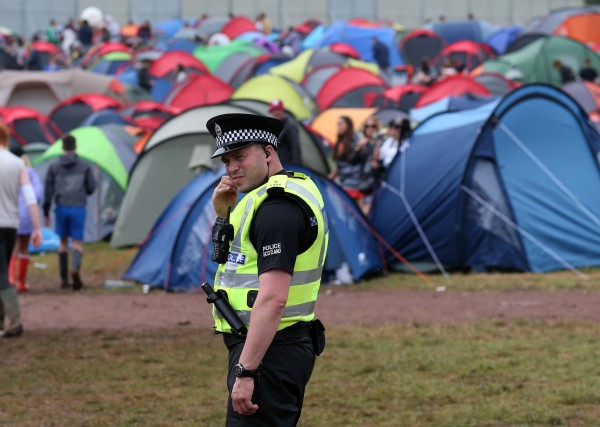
{"x":94,"y":145}
{"x":212,"y":56}
{"x":534,"y":61}
{"x":267,"y":87}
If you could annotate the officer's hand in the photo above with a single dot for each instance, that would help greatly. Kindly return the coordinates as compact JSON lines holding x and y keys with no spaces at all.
{"x":241,"y":396}
{"x":225,"y":195}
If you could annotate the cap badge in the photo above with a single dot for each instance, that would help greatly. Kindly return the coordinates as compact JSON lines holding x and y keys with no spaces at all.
{"x":218,"y":131}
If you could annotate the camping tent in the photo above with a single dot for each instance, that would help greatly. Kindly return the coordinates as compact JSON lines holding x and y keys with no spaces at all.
{"x":109,"y":150}
{"x":350,"y":87}
{"x":166,"y":65}
{"x":402,"y":97}
{"x":513,"y":185}
{"x":175,"y":153}
{"x":420,"y":44}
{"x":42,"y":91}
{"x":466,"y":53}
{"x":534,"y":61}
{"x":176,"y":254}
{"x":27,"y":125}
{"x":326,"y":121}
{"x":197,"y":89}
{"x":454,"y":31}
{"x":71,"y":112}
{"x":310,"y":60}
{"x":360,"y":38}
{"x":268,"y":87}
{"x":454,"y":85}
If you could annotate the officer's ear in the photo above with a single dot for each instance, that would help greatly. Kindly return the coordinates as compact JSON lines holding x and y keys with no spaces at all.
{"x":267,"y":153}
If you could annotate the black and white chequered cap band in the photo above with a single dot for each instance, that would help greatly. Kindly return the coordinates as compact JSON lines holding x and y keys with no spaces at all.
{"x":250,"y":135}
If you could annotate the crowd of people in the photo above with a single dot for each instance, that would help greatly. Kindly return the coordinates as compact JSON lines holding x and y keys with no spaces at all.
{"x":362,"y":158}
{"x":74,"y":38}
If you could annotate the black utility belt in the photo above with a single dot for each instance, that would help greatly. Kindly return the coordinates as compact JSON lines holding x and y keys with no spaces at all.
{"x":314,"y":330}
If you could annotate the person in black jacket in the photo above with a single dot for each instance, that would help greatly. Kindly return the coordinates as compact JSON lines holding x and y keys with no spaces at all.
{"x":289,"y":138}
{"x":381,"y":54}
{"x":588,"y":73}
{"x":566,"y":73}
{"x":143,"y":75}
{"x":69,"y":181}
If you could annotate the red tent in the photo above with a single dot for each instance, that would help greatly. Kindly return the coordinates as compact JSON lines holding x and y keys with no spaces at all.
{"x":198,"y":89}
{"x":238,"y":25}
{"x":28,"y":125}
{"x":69,"y":113}
{"x":109,"y":47}
{"x":345,"y":49}
{"x":402,"y":97}
{"x":348,"y":87}
{"x":167,"y":63}
{"x":362,"y":22}
{"x":48,"y":47}
{"x":455,"y":85}
{"x":307,"y":26}
{"x":149,"y":114}
{"x":468,"y":53}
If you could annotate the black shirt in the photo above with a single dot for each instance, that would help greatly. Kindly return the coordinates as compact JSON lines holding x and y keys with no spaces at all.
{"x":588,"y":74}
{"x":282,"y":229}
{"x":289,"y":143}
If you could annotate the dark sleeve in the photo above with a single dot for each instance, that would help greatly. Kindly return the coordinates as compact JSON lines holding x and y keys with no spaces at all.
{"x":90,"y":181}
{"x":276,"y":232}
{"x":48,"y":190}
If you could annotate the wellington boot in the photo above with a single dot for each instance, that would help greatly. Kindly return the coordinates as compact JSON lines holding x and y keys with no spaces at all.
{"x":63,"y":268}
{"x":23,"y":263}
{"x":13,"y":327}
{"x":11,"y":271}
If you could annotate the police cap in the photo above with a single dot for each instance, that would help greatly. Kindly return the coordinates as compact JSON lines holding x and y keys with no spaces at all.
{"x":234,"y":131}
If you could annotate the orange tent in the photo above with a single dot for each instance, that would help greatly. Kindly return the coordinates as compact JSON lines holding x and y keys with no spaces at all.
{"x":584,"y":28}
{"x":326,"y":122}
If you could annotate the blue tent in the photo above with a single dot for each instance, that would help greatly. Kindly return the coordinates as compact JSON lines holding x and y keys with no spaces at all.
{"x":185,"y":45}
{"x":176,"y":254}
{"x":454,"y":31}
{"x":450,"y":103}
{"x":360,"y":38}
{"x":105,"y":117}
{"x":501,"y":39}
{"x":513,"y":185}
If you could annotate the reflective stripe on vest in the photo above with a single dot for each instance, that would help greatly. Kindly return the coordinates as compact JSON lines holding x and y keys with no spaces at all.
{"x":239,"y":278}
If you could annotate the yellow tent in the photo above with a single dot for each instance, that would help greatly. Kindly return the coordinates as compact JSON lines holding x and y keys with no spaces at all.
{"x":297,"y":68}
{"x":267,"y":87}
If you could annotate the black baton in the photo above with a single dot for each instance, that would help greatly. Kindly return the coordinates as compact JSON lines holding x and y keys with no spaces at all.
{"x":224,"y":308}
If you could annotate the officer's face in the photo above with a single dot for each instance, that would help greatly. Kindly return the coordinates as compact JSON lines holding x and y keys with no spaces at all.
{"x":247,"y":167}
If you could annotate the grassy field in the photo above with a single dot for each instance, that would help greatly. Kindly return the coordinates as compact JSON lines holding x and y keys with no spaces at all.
{"x":102,"y":262}
{"x":491,"y":373}
{"x":484,"y":374}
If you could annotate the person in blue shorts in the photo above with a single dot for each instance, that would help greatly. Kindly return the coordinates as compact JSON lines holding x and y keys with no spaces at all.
{"x":69,"y":181}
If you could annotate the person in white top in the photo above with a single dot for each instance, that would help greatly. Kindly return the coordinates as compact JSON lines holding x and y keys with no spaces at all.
{"x":13,"y":174}
{"x":384,"y":154}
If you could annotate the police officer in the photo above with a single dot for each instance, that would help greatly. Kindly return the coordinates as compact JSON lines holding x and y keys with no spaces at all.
{"x":272,"y":274}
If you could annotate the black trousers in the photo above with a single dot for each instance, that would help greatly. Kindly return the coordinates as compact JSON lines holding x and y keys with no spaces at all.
{"x":279,"y":388}
{"x":8,"y":238}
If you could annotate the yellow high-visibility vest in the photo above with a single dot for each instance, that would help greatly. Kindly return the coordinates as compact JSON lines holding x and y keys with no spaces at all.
{"x":239,"y":275}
